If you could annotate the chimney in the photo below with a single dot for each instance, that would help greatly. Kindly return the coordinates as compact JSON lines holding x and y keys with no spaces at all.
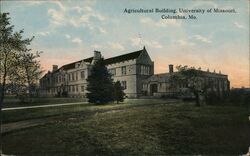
{"x":97,"y":55}
{"x":171,"y":68}
{"x":54,"y":68}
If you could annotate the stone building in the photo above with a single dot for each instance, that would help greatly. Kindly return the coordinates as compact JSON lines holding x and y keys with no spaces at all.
{"x":134,"y":70}
{"x":130,"y":69}
{"x":158,"y":85}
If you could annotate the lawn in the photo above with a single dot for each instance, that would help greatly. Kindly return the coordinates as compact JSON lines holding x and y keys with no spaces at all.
{"x":144,"y":127}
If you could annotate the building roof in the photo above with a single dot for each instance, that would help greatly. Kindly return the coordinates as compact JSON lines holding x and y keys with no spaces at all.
{"x":72,"y":65}
{"x":125,"y":57}
{"x":111,"y":60}
{"x":120,"y":58}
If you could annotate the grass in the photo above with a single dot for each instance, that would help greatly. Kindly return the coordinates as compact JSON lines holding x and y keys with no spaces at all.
{"x":25,"y":114}
{"x":137,"y":128}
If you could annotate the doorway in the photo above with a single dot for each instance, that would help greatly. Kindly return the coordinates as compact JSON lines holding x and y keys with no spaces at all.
{"x":153,"y":89}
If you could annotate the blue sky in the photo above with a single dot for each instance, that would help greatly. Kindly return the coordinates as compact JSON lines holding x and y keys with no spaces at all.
{"x":68,"y":31}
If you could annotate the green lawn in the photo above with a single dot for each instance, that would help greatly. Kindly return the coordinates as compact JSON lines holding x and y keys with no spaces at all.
{"x":143,"y":127}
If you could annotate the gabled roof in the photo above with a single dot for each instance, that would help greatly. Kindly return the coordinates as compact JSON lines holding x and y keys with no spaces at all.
{"x":111,"y":60}
{"x":72,"y":65}
{"x":125,"y":57}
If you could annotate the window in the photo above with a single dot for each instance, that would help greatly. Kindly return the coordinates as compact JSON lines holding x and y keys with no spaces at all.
{"x":73,"y":88}
{"x":82,"y":74}
{"x":76,"y":88}
{"x":69,"y":78}
{"x":76,"y":75}
{"x":112,"y":71}
{"x":124,"y":70}
{"x":73,"y":76}
{"x":124,"y":84}
{"x":82,"y":88}
{"x":145,"y":70}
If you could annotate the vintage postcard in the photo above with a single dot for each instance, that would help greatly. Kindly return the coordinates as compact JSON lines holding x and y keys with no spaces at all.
{"x":124,"y":77}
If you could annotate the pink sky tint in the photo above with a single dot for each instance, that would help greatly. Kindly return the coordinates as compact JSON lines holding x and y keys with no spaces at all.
{"x":237,"y":72}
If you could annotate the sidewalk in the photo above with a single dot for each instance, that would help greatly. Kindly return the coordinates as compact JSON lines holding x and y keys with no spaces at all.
{"x":42,"y":106}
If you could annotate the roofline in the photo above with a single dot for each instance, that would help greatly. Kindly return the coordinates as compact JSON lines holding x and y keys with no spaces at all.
{"x":123,"y":54}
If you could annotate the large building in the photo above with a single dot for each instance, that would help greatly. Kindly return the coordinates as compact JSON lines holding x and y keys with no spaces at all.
{"x":130,"y":69}
{"x":158,"y":85}
{"x":134,"y":70}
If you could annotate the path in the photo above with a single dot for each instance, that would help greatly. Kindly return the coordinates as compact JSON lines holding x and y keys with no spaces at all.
{"x":42,"y":106}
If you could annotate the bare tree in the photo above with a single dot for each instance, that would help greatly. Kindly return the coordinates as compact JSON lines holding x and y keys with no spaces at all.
{"x":191,"y":78}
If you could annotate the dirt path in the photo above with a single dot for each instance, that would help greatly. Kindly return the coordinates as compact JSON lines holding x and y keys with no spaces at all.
{"x":42,"y":106}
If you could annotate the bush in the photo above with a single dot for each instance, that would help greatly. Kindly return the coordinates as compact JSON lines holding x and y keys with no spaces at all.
{"x":234,"y":97}
{"x":64,"y":94}
{"x":212,"y":98}
{"x":239,"y":97}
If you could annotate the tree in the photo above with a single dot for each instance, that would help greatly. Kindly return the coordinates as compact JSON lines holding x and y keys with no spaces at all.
{"x":12,"y":44}
{"x":18,"y":65}
{"x":26,"y":75}
{"x":191,"y":78}
{"x":100,"y":84}
{"x":31,"y":67}
{"x":118,"y":92}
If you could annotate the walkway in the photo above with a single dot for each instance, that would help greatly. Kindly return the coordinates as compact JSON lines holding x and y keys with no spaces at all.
{"x":42,"y":106}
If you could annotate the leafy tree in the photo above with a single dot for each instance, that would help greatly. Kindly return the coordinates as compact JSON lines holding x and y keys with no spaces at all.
{"x":32,"y":69}
{"x":26,"y":75}
{"x":11,"y":46}
{"x":100,"y":84}
{"x":118,"y":92}
{"x":191,"y":78}
{"x":19,"y":66}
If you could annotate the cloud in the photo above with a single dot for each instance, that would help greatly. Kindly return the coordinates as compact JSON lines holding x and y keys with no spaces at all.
{"x":238,"y":25}
{"x":67,"y":36}
{"x":202,"y":38}
{"x":77,"y":40}
{"x":63,"y":16}
{"x":155,"y":44}
{"x":32,"y":3}
{"x":96,"y":46}
{"x":77,"y":9}
{"x":57,"y":17}
{"x":199,"y":4}
{"x":161,"y":22}
{"x":117,"y":46}
{"x":45,"y":33}
{"x":58,"y":3}
{"x":102,"y":30}
{"x":183,"y":42}
{"x":85,"y":21}
{"x":137,"y":42}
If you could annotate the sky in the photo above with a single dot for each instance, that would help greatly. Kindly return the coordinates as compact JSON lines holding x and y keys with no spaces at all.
{"x":70,"y":30}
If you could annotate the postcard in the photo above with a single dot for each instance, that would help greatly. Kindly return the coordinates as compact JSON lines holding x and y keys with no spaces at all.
{"x":124,"y":77}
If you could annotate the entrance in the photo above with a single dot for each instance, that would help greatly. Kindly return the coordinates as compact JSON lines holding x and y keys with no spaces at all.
{"x":153,"y":89}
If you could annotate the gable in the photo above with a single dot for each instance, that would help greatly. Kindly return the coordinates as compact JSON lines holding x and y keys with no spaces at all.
{"x":144,"y":58}
{"x":125,"y":57}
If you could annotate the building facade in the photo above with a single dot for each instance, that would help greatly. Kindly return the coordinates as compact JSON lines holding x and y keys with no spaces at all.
{"x":134,"y":70}
{"x":158,"y":85}
{"x":70,"y":79}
